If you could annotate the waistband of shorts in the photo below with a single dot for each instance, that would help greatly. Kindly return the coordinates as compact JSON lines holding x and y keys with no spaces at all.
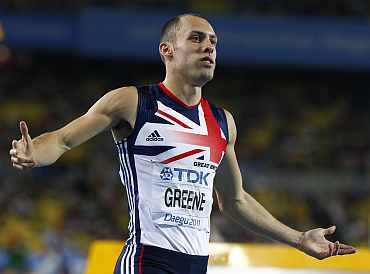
{"x":162,"y":252}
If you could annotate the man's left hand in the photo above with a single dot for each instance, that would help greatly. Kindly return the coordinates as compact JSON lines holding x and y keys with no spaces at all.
{"x":314,"y":243}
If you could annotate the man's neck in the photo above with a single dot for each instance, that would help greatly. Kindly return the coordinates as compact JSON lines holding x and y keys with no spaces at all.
{"x":185,"y":92}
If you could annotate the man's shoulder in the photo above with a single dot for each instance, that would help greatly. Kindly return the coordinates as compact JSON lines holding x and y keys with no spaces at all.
{"x":122,"y":99}
{"x":122,"y":95}
{"x":125,"y":90}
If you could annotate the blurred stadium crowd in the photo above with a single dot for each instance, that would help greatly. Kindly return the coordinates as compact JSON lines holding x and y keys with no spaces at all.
{"x":250,"y":7}
{"x":303,"y":142}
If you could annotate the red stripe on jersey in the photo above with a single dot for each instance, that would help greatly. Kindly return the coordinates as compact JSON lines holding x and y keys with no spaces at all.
{"x":173,"y":119}
{"x":182,"y":155}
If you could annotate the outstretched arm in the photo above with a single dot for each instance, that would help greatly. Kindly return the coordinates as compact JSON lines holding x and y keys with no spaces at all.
{"x":48,"y":147}
{"x":244,"y":209}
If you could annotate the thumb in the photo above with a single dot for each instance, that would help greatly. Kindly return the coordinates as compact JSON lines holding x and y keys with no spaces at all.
{"x":330,"y":230}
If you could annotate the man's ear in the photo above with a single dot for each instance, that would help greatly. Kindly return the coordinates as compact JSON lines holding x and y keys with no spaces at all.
{"x":166,"y":49}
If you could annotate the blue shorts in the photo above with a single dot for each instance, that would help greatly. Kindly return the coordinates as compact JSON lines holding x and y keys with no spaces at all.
{"x":140,"y":259}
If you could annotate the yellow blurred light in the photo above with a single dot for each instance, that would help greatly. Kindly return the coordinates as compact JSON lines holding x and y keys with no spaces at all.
{"x":238,"y":257}
{"x":2,"y":32}
{"x":272,"y":258}
{"x":5,"y":53}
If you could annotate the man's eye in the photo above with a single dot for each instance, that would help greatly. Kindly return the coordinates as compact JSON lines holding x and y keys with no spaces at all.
{"x":195,"y":38}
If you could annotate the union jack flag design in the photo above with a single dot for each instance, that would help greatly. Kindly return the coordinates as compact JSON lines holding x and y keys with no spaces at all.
{"x":187,"y":138}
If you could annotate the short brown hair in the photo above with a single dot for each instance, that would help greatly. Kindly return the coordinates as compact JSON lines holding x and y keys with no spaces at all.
{"x":170,"y":28}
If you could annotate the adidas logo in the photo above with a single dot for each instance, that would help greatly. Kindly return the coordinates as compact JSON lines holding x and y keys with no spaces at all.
{"x":154,"y":137}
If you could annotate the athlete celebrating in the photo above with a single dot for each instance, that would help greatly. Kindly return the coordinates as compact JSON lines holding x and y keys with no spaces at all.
{"x":171,"y":142}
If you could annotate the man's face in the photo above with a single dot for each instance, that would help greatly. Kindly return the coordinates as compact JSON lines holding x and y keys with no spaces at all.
{"x":194,"y":55}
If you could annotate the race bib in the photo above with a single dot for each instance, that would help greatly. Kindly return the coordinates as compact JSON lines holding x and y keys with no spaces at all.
{"x":182,"y":197}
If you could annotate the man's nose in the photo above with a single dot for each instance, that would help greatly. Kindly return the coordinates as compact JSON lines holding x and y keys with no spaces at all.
{"x":209,"y":48}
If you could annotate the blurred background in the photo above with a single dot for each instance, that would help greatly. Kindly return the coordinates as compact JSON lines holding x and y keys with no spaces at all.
{"x":295,"y":74}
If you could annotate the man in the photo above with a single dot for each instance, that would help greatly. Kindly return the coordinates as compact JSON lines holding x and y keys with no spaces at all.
{"x":170,"y":142}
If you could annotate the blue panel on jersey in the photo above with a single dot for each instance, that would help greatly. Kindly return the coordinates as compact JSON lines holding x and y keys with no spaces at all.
{"x":150,"y":151}
{"x":190,"y":113}
{"x":159,"y":120}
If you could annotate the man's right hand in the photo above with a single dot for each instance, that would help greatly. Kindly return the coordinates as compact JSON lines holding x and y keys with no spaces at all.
{"x":22,"y":151}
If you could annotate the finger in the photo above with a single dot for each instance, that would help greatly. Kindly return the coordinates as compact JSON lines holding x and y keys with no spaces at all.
{"x":17,"y":163}
{"x":28,"y":165}
{"x":18,"y":166}
{"x":24,"y":165}
{"x":18,"y":146}
{"x":23,"y":128}
{"x":14,"y":159}
{"x":13,"y":152}
{"x":330,"y":230}
{"x":24,"y":131}
{"x":20,"y":160}
{"x":335,"y":248}
{"x":14,"y":144}
{"x":331,"y":249}
{"x":346,"y":249}
{"x":344,"y":246}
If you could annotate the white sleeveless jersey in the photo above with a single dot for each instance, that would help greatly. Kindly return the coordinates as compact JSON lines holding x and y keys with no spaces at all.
{"x":167,"y":165}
